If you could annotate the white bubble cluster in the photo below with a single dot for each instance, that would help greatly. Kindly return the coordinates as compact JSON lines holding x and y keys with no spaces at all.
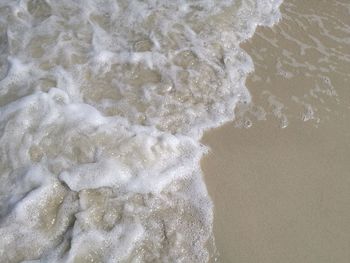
{"x":103,"y":104}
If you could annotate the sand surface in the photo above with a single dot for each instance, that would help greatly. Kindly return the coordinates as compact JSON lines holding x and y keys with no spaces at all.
{"x":283,"y":194}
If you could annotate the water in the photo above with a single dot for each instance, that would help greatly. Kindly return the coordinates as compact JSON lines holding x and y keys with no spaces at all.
{"x":281,"y":195}
{"x":103,"y":104}
{"x":301,"y":65}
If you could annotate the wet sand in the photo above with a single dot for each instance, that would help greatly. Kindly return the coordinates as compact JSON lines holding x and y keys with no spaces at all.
{"x":283,"y":194}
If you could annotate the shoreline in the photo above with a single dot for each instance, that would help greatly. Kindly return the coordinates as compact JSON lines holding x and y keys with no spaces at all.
{"x":280,"y":195}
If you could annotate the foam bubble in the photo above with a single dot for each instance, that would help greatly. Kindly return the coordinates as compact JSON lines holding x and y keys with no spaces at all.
{"x":103,"y":104}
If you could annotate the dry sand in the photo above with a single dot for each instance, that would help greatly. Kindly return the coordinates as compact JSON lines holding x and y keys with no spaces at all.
{"x":283,"y":195}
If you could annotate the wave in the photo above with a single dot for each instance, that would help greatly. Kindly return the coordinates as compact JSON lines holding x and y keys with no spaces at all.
{"x":103,"y":104}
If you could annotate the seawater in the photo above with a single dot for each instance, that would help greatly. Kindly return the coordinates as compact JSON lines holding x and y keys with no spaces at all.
{"x":102,"y":107}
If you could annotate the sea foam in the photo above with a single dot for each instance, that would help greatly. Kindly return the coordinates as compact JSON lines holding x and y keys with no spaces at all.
{"x":103,"y":104}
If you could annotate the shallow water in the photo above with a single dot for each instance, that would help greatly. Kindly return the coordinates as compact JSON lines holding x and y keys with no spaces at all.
{"x":302,"y":65}
{"x":103,"y":104}
{"x":279,"y":174}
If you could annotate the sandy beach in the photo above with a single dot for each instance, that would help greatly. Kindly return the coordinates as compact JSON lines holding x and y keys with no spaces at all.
{"x":103,"y":105}
{"x":279,"y":175}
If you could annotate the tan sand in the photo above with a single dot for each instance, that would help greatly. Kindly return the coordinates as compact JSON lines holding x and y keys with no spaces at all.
{"x":283,"y":195}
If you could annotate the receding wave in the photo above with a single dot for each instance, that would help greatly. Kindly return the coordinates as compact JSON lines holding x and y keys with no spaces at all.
{"x":103,"y":104}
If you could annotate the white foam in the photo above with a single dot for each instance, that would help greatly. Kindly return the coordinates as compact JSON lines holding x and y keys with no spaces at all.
{"x":102,"y":109}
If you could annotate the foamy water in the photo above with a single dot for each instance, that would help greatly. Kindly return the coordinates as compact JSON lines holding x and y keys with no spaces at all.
{"x":103,"y":104}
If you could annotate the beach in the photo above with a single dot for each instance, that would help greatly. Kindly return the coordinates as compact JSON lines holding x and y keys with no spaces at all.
{"x":279,"y":175}
{"x":174,"y":131}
